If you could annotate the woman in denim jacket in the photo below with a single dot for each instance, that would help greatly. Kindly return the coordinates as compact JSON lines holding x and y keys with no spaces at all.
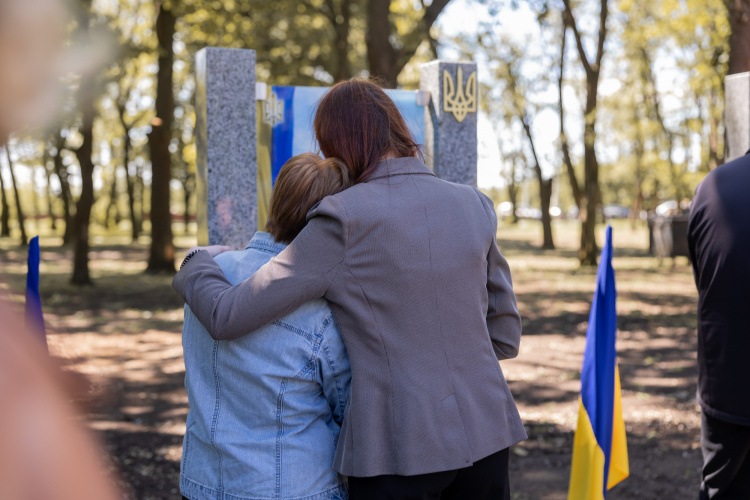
{"x":423,"y":297}
{"x":266,"y":409}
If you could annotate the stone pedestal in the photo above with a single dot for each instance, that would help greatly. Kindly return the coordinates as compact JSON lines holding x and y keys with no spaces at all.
{"x":226,"y":142}
{"x":451,"y":119}
{"x":737,"y":98}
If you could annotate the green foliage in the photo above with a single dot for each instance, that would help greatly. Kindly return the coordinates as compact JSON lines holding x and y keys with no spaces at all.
{"x":294,"y":41}
{"x":678,"y":106}
{"x":643,"y":121}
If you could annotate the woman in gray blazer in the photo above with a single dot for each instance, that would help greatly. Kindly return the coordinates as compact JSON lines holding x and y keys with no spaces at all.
{"x":423,"y":299}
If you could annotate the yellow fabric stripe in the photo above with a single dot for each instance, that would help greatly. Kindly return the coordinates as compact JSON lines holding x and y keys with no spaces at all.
{"x":587,"y":469}
{"x":264,"y":169}
{"x":619,"y":468}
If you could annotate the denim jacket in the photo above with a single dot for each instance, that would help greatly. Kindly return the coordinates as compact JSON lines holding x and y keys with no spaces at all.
{"x":266,"y":409}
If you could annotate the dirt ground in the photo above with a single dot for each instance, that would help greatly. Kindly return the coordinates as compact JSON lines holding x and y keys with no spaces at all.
{"x":123,"y":334}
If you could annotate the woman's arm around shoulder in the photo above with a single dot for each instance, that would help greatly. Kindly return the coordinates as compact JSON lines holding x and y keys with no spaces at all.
{"x":301,"y":272}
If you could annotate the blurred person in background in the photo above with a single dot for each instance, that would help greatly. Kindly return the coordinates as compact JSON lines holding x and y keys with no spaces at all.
{"x":46,"y":453}
{"x":32,"y":58}
{"x":719,"y":244}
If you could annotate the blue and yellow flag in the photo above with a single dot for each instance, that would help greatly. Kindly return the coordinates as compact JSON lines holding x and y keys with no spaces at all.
{"x":34,"y":317}
{"x":600,"y":454}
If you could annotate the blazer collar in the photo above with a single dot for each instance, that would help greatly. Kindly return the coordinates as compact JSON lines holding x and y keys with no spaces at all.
{"x":399,"y":166}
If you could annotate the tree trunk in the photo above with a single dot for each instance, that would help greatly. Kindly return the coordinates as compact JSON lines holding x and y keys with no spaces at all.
{"x":187,"y":189}
{"x":140,"y":196}
{"x":574,"y":187}
{"x":161,"y":257}
{"x":739,"y":40}
{"x":655,"y":199}
{"x":545,"y":192}
{"x":513,"y":194}
{"x":341,"y":43}
{"x":82,"y":217}
{"x":35,"y":201}
{"x":386,"y":61}
{"x":187,"y":180}
{"x":67,"y":197}
{"x":668,"y":135}
{"x":714,"y":159}
{"x":588,"y":252}
{"x":48,"y":175}
{"x":5,"y":216}
{"x":381,"y":55}
{"x":639,"y":152}
{"x":19,"y":211}
{"x":109,"y":216}
{"x":135,"y":221}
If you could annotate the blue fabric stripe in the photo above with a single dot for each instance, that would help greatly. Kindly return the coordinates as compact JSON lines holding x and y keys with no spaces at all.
{"x":295,"y":134}
{"x":598,"y":372}
{"x":283,"y":133}
{"x":33,"y":310}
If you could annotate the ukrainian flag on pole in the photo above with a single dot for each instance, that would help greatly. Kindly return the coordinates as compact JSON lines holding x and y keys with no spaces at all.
{"x":34,"y":316}
{"x":600,"y":454}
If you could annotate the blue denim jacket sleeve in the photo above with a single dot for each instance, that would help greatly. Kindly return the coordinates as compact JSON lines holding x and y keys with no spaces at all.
{"x":335,"y":370}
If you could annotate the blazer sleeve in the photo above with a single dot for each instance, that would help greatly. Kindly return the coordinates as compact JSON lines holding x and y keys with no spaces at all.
{"x":503,"y":320}
{"x":335,"y":372}
{"x":301,"y":272}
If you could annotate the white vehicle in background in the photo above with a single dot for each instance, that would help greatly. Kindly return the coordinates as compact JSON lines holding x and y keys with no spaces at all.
{"x":615,"y":212}
{"x":670,"y":207}
{"x":504,"y":209}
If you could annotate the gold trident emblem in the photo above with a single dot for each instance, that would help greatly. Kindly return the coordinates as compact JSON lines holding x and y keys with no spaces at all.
{"x":455,"y":100}
{"x":273,"y":110}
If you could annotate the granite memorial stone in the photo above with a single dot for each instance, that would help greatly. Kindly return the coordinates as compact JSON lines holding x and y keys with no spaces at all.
{"x":737,"y":97}
{"x":451,"y":119}
{"x":227,"y":136}
{"x":226,"y":142}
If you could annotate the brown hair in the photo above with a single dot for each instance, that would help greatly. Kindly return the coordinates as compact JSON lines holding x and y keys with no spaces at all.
{"x":303,"y":181}
{"x":359,"y":124}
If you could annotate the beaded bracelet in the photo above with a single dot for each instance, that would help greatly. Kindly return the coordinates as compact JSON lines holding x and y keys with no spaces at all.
{"x":187,"y":258}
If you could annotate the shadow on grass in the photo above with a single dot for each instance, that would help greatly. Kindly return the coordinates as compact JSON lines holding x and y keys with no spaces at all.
{"x":142,"y":416}
{"x":135,"y":427}
{"x":663,"y":463}
{"x":141,"y":424}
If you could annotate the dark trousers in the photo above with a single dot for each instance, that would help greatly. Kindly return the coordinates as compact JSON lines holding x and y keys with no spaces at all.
{"x":487,"y":479}
{"x":726,"y":460}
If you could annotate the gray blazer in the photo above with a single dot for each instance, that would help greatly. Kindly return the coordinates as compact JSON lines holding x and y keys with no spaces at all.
{"x":424,"y":302}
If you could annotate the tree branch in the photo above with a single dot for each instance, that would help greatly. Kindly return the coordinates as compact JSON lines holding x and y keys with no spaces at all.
{"x":332,"y":12}
{"x":602,"y":32}
{"x":432,"y":12}
{"x":563,"y":137}
{"x":571,"y":21}
{"x":412,"y":40}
